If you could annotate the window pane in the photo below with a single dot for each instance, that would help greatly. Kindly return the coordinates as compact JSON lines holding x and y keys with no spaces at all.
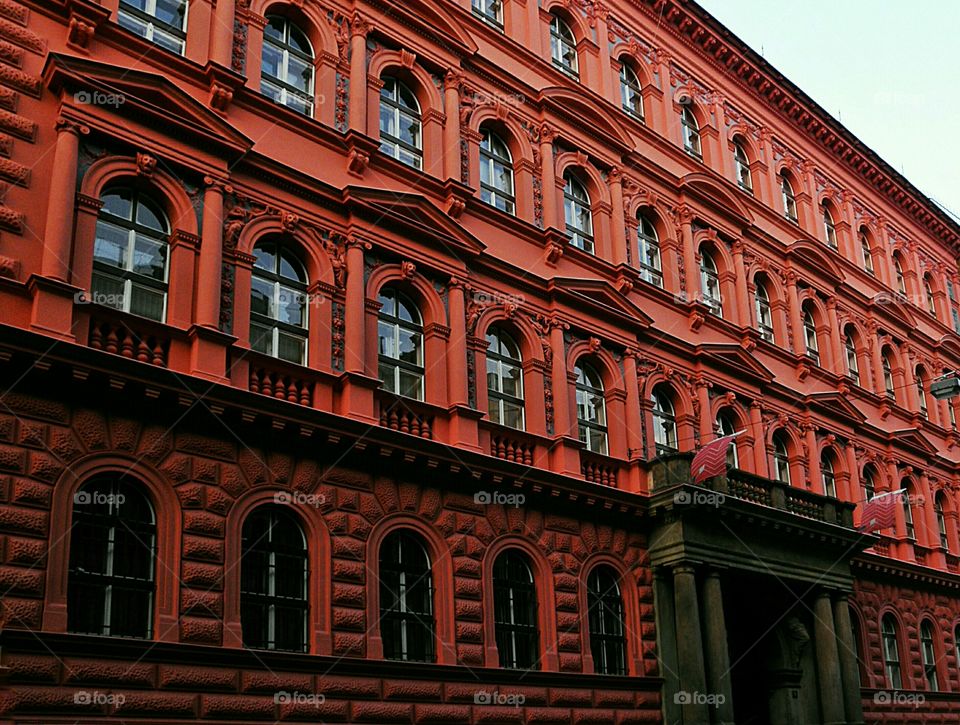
{"x":410,"y":347}
{"x":291,"y":347}
{"x":272,"y":61}
{"x":149,"y":257}
{"x":411,"y":384}
{"x":111,"y":244}
{"x":171,"y":12}
{"x":146,"y":301}
{"x":261,"y":297}
{"x":107,"y":290}
{"x":292,"y":306}
{"x":261,"y":338}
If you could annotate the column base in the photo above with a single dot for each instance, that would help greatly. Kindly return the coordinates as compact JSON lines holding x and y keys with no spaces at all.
{"x":208,"y":353}
{"x":53,"y":302}
{"x":356,"y":399}
{"x":565,"y":456}
{"x":463,"y":429}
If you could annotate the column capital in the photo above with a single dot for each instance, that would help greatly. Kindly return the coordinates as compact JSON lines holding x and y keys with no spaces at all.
{"x":359,"y":26}
{"x":64,"y":124}
{"x":352,"y":241}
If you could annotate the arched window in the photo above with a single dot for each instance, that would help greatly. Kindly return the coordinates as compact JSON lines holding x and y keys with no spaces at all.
{"x":130,"y":254}
{"x":710,"y":283}
{"x":898,"y":270}
{"x":691,"y":131}
{"x":496,"y":173}
{"x":605,"y":614}
{"x":407,"y":623}
{"x":490,"y":11}
{"x":504,"y":379}
{"x":726,"y":427}
{"x":857,"y":633}
{"x":273,"y":581}
{"x":591,"y":409}
{"x":905,"y":497}
{"x":891,"y":652}
{"x":941,"y":521}
{"x":829,"y":227}
{"x":631,"y":95}
{"x":869,"y":482}
{"x":664,"y":421}
{"x":649,"y":248}
{"x":744,"y":179}
{"x":850,"y":348}
{"x":929,"y":655}
{"x":576,"y":209}
{"x":789,"y":198}
{"x":287,"y":72}
{"x":921,"y":393}
{"x":951,"y":410}
{"x":400,"y":132}
{"x":810,"y":337}
{"x":956,"y":643}
{"x":111,"y":580}
{"x":888,"y":385}
{"x":866,"y":253}
{"x":515,"y":612}
{"x":828,"y":475}
{"x":928,"y":292}
{"x":400,"y":330}
{"x":163,"y":22}
{"x":764,"y":314}
{"x":278,"y":303}
{"x":781,"y":458}
{"x":563,"y":47}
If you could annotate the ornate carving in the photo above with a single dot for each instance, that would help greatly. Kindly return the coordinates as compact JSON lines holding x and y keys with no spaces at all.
{"x":238,"y":52}
{"x":407,"y":269}
{"x":146,"y":164}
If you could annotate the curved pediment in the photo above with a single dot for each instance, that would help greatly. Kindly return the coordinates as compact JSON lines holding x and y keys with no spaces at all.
{"x":706,"y":189}
{"x":816,"y":259}
{"x":950,"y":344}
{"x":894,"y":307}
{"x":433,"y":21}
{"x":583,"y":109}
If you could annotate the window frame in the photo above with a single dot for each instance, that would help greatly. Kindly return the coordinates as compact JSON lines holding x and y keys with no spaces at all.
{"x":789,"y":199}
{"x":648,"y":248}
{"x":710,"y":291}
{"x":278,"y":519}
{"x":287,"y":49}
{"x":866,"y":251}
{"x":664,"y":422}
{"x":574,"y":207}
{"x":126,"y":275}
{"x":419,"y":627}
{"x":742,"y":167}
{"x":781,"y":458}
{"x":106,"y":529}
{"x":829,"y":228}
{"x":280,"y":285}
{"x":941,"y":517}
{"x":606,"y":622}
{"x":828,"y":475}
{"x":850,"y":351}
{"x":394,"y":146}
{"x":890,"y":650}
{"x":588,"y":389}
{"x":631,"y":88}
{"x":764,"y":312}
{"x":397,"y":326}
{"x":690,"y":130}
{"x":481,"y":9}
{"x":562,"y":38}
{"x":490,"y":192}
{"x":151,"y":23}
{"x":811,"y":345}
{"x":726,"y":426}
{"x":518,"y":643}
{"x":503,"y":359}
{"x":928,"y":655}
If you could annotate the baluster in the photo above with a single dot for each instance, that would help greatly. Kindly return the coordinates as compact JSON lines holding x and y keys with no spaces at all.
{"x":144,"y":353}
{"x":426,"y":430}
{"x":305,"y":397}
{"x":112,"y":342}
{"x":159,"y":356}
{"x":96,"y":336}
{"x":254,"y":380}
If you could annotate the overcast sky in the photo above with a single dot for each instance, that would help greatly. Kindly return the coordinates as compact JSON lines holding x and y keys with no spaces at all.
{"x":889,"y":70}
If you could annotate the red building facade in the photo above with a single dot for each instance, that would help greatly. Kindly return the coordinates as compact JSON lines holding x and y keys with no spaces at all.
{"x":354,"y":357}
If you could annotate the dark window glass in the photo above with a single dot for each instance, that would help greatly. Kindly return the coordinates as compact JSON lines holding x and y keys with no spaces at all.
{"x":515,"y":612}
{"x":605,"y":608}
{"x":407,"y":624}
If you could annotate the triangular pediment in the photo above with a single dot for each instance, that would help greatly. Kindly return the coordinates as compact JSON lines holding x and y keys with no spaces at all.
{"x":413,"y":215}
{"x":914,"y":440}
{"x":148,"y":99}
{"x":836,"y":405}
{"x":734,"y":359}
{"x":599,"y":296}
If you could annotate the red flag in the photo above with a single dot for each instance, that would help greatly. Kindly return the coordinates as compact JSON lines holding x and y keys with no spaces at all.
{"x":711,"y":460}
{"x":880,"y":511}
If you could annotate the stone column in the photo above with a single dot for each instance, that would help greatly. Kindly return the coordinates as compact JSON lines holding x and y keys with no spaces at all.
{"x":836,"y":343}
{"x":551,"y":215}
{"x":355,"y":315}
{"x":718,"y":656}
{"x":211,"y":256}
{"x":618,"y":238}
{"x":634,"y":415}
{"x":693,"y":679}
{"x":816,"y":479}
{"x":796,"y":318}
{"x":451,"y":125}
{"x":58,"y":230}
{"x":685,"y":215}
{"x":707,"y":432}
{"x":221,"y":32}
{"x":358,"y":73}
{"x":743,"y":296}
{"x":849,"y":670}
{"x":760,"y":444}
{"x":855,"y":492}
{"x":828,"y":663}
{"x":667,"y":643}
